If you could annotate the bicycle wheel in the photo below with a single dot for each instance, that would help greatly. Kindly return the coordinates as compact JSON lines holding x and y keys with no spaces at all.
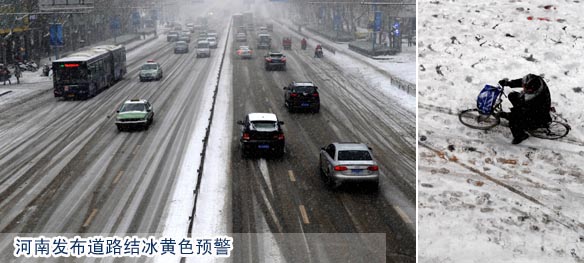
{"x":473,"y":119}
{"x":555,"y":130}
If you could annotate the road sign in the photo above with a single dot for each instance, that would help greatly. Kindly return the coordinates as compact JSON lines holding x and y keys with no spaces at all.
{"x":136,"y":18}
{"x":115,"y":23}
{"x":56,"y":35}
{"x":337,"y":22}
{"x":377,"y":22}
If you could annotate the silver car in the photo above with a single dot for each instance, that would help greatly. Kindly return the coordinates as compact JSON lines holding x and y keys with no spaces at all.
{"x":212,"y":42}
{"x":241,"y":37}
{"x":348,"y":162}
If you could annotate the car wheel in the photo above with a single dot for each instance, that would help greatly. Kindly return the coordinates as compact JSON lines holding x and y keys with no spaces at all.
{"x":374,"y":187}
{"x":244,"y":154}
{"x":316,"y":109}
{"x":329,"y":181}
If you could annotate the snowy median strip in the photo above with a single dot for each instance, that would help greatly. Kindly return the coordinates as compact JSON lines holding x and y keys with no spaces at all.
{"x":182,"y":203}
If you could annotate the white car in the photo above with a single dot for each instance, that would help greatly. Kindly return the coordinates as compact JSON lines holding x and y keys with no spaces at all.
{"x":212,"y":42}
{"x":241,"y":37}
{"x":203,"y":49}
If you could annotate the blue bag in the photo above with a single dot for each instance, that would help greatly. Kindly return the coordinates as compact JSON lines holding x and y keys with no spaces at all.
{"x":487,"y":99}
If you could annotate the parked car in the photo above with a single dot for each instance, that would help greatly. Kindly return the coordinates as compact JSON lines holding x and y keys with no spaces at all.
{"x":241,"y":37}
{"x":275,"y":60}
{"x":348,"y":162}
{"x":151,"y":70}
{"x":181,"y":47}
{"x":262,"y":132}
{"x":244,"y":52}
{"x":135,"y":113}
{"x":302,"y":95}
{"x":203,"y":49}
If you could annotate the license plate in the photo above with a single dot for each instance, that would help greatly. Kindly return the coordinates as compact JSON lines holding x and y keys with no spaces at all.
{"x":263,"y":146}
{"x":305,"y":104}
{"x":356,"y":171}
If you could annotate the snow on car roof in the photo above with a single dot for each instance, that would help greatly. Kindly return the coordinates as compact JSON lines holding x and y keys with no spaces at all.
{"x":303,"y":83}
{"x":135,"y":101}
{"x":341,"y":146}
{"x":262,"y":117}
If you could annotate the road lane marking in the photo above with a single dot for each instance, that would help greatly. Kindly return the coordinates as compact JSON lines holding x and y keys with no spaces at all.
{"x":136,"y":149}
{"x":403,"y":214}
{"x":304,"y":215}
{"x":118,"y":177}
{"x":90,"y":218}
{"x":291,"y":175}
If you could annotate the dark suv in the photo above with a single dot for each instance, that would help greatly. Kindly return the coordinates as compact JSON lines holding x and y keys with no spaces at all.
{"x":261,"y":132}
{"x":275,"y":60}
{"x":302,"y":95}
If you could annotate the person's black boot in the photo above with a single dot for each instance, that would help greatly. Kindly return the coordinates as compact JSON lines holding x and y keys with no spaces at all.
{"x":518,"y":140}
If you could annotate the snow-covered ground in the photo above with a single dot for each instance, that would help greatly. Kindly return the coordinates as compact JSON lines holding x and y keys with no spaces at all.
{"x":480,"y":198}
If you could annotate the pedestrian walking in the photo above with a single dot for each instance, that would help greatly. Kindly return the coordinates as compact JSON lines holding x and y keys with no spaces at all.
{"x":17,"y":74}
{"x":4,"y":74}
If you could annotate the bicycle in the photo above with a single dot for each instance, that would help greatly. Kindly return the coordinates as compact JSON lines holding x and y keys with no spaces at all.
{"x":487,"y":116}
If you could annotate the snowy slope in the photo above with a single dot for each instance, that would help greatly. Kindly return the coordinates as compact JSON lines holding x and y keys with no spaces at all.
{"x":480,"y":198}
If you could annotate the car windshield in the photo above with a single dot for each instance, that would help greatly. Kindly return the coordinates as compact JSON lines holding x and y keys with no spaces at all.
{"x":354,"y":155}
{"x":276,"y":55}
{"x":133,"y":107}
{"x":203,"y":45}
{"x":181,"y":44}
{"x":149,"y":66}
{"x":303,"y":89}
{"x":264,"y":125}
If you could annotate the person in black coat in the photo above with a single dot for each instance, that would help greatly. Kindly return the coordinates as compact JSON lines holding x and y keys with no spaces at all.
{"x":531,"y":107}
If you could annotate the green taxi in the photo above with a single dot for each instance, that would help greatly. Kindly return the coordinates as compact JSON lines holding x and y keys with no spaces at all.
{"x":135,"y":113}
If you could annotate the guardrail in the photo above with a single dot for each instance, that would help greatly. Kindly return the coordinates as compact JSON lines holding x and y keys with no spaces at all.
{"x":207,"y":133}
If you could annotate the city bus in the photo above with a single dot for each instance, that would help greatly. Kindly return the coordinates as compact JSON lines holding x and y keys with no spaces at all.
{"x":86,"y":73}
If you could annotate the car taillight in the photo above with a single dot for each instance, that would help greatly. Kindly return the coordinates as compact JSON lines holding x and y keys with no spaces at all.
{"x":373,"y":168}
{"x":314,"y":94}
{"x":245,"y":136}
{"x":340,"y":168}
{"x":293,"y":94}
{"x":281,"y":136}
{"x":268,"y":59}
{"x":239,"y":52}
{"x":283,"y":60}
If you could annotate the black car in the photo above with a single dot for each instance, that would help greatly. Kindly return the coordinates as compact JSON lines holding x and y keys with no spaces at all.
{"x":275,"y":60}
{"x":261,"y":132}
{"x":302,"y":95}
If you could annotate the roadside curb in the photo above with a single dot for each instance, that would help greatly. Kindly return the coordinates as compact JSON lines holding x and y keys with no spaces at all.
{"x":405,"y":85}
